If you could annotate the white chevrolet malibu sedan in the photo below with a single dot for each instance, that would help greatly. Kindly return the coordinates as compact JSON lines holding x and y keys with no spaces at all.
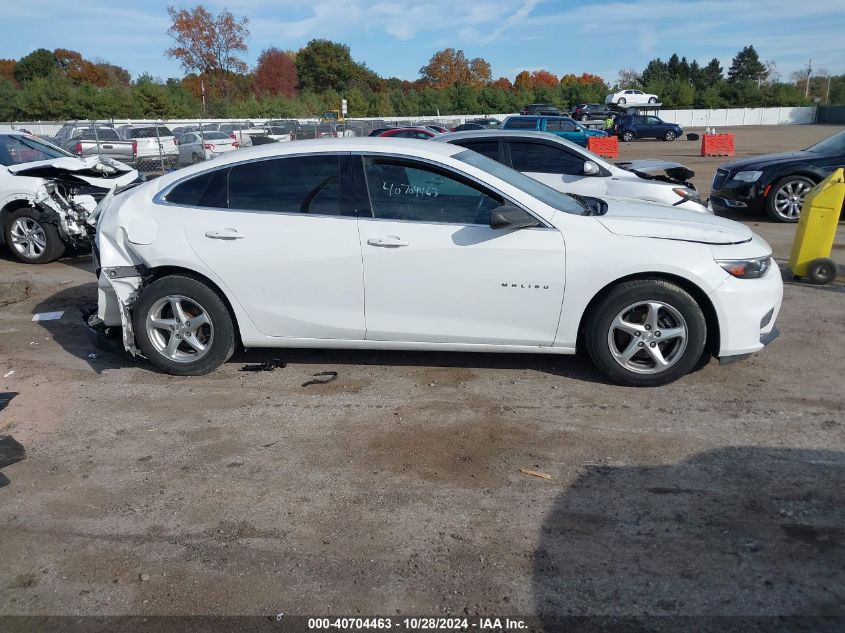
{"x":380,"y":243}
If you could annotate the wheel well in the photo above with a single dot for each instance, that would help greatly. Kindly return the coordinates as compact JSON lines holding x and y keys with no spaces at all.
{"x":8,"y":210}
{"x":166,"y":271}
{"x":711,"y":344}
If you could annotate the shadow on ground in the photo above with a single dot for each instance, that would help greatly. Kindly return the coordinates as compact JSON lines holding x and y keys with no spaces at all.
{"x":747,"y":532}
{"x":76,"y":339}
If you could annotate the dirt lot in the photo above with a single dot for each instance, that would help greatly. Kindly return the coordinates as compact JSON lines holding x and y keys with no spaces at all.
{"x":397,"y":488}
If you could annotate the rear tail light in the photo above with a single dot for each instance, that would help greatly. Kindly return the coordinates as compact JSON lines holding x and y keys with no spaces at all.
{"x":236,"y":145}
{"x":79,"y":149}
{"x":134,"y":148}
{"x":208,"y":146}
{"x":233,"y":137}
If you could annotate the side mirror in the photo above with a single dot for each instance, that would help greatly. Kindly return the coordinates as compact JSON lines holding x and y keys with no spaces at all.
{"x":591,"y":168}
{"x":508,"y":216}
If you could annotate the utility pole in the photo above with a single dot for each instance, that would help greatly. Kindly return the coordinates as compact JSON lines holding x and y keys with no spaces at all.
{"x":202,"y":90}
{"x":827,"y":97}
{"x":807,"y":87}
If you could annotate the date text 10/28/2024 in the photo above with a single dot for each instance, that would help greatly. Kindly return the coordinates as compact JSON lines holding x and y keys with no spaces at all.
{"x":416,"y":624}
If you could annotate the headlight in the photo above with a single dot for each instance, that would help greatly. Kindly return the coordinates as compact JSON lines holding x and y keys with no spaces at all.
{"x":746,"y":268}
{"x":748,"y":176}
{"x":687,"y":194}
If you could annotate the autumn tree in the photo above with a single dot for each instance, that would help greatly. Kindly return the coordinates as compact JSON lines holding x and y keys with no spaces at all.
{"x":7,"y":68}
{"x":523,"y":81}
{"x":503,"y":83}
{"x":543,"y":77}
{"x":449,"y":67}
{"x":206,"y":43}
{"x":275,"y":73}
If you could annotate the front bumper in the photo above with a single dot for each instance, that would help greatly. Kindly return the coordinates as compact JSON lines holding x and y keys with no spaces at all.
{"x":747,"y":310}
{"x":742,"y":196}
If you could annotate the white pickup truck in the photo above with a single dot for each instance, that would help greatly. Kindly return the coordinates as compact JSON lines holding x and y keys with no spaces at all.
{"x":156,"y":148}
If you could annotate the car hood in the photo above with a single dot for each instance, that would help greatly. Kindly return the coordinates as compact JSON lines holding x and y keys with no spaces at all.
{"x":766,"y":160}
{"x":652,"y":169}
{"x":97,"y":171}
{"x":632,"y":219}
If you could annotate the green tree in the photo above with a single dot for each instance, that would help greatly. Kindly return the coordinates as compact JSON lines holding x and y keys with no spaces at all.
{"x":747,"y":65}
{"x":324,"y":65}
{"x":8,"y":100}
{"x":39,"y":63}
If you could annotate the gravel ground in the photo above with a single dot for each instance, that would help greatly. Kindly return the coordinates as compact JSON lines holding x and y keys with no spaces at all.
{"x":396,"y":489}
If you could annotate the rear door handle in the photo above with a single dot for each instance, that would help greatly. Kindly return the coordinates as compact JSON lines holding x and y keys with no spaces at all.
{"x":225,"y":234}
{"x":387,"y":241}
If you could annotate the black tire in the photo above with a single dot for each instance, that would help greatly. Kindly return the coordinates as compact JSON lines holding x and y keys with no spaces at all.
{"x":622,"y":101}
{"x":53,"y":247}
{"x":652,"y":100}
{"x":628,"y":136}
{"x":598,"y":332}
{"x":822,"y":271}
{"x":669,"y":136}
{"x":781,"y":187}
{"x":220,"y":334}
{"x":195,"y":158}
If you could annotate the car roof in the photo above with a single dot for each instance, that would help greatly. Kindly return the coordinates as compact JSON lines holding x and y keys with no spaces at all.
{"x":490,"y":134}
{"x":409,"y":147}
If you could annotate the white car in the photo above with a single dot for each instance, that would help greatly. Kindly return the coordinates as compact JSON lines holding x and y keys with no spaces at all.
{"x":631,"y":97}
{"x":47,"y":194}
{"x":570,"y":168}
{"x":195,"y":147}
{"x":378,"y":243}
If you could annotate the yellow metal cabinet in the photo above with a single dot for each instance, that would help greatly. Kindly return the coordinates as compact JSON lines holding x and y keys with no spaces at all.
{"x":810,"y":257}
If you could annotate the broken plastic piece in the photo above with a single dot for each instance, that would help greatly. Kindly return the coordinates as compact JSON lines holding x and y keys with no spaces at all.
{"x":535,"y":473}
{"x":321,"y":378}
{"x":48,"y":316}
{"x":267,"y":365}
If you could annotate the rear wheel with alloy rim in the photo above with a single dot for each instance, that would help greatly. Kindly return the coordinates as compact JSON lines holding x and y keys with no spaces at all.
{"x":32,"y":241}
{"x":669,"y":136}
{"x":622,"y":101}
{"x":182,"y":326}
{"x":628,"y":136}
{"x":783,"y":204}
{"x":646,"y":333}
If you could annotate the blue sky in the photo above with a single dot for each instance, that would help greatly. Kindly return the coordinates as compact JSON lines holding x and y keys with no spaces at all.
{"x":397,"y":37}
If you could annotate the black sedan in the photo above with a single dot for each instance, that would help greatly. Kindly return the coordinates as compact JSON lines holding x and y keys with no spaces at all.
{"x":776,"y":183}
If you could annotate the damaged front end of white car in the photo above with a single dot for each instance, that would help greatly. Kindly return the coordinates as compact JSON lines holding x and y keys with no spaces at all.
{"x":47,"y":205}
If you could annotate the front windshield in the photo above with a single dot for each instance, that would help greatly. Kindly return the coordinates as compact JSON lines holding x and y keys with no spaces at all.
{"x":833,"y":145}
{"x":543,"y":193}
{"x":16,"y":150}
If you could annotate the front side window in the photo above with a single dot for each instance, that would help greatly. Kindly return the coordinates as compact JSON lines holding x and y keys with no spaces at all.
{"x":406,"y":190}
{"x":544,"y":159}
{"x":298,"y":184}
{"x":653,"y":120}
{"x":17,"y":150}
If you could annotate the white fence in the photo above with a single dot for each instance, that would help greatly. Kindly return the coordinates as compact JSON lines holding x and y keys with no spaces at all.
{"x":729,"y":117}
{"x":723,"y":117}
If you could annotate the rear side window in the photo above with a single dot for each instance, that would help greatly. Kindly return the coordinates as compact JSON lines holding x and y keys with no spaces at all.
{"x":489,"y":148}
{"x":544,"y":159}
{"x":303,"y":184}
{"x":522,"y":123}
{"x":205,"y":190}
{"x":560,"y":125}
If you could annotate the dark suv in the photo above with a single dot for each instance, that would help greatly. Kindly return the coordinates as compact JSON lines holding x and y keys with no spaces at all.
{"x":547,"y":109}
{"x":588,"y":111}
{"x":631,"y":126}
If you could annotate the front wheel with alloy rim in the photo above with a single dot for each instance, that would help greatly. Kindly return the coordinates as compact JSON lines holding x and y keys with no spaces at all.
{"x":669,"y":136}
{"x":783,"y":204}
{"x":646,"y":333}
{"x":628,"y":136}
{"x":30,"y":240}
{"x":182,"y":326}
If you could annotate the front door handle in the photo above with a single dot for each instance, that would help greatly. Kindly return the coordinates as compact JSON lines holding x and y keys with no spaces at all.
{"x":225,"y":234}
{"x":387,"y":241}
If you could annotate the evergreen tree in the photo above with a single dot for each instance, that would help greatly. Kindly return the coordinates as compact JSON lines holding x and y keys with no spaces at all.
{"x":747,"y":65}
